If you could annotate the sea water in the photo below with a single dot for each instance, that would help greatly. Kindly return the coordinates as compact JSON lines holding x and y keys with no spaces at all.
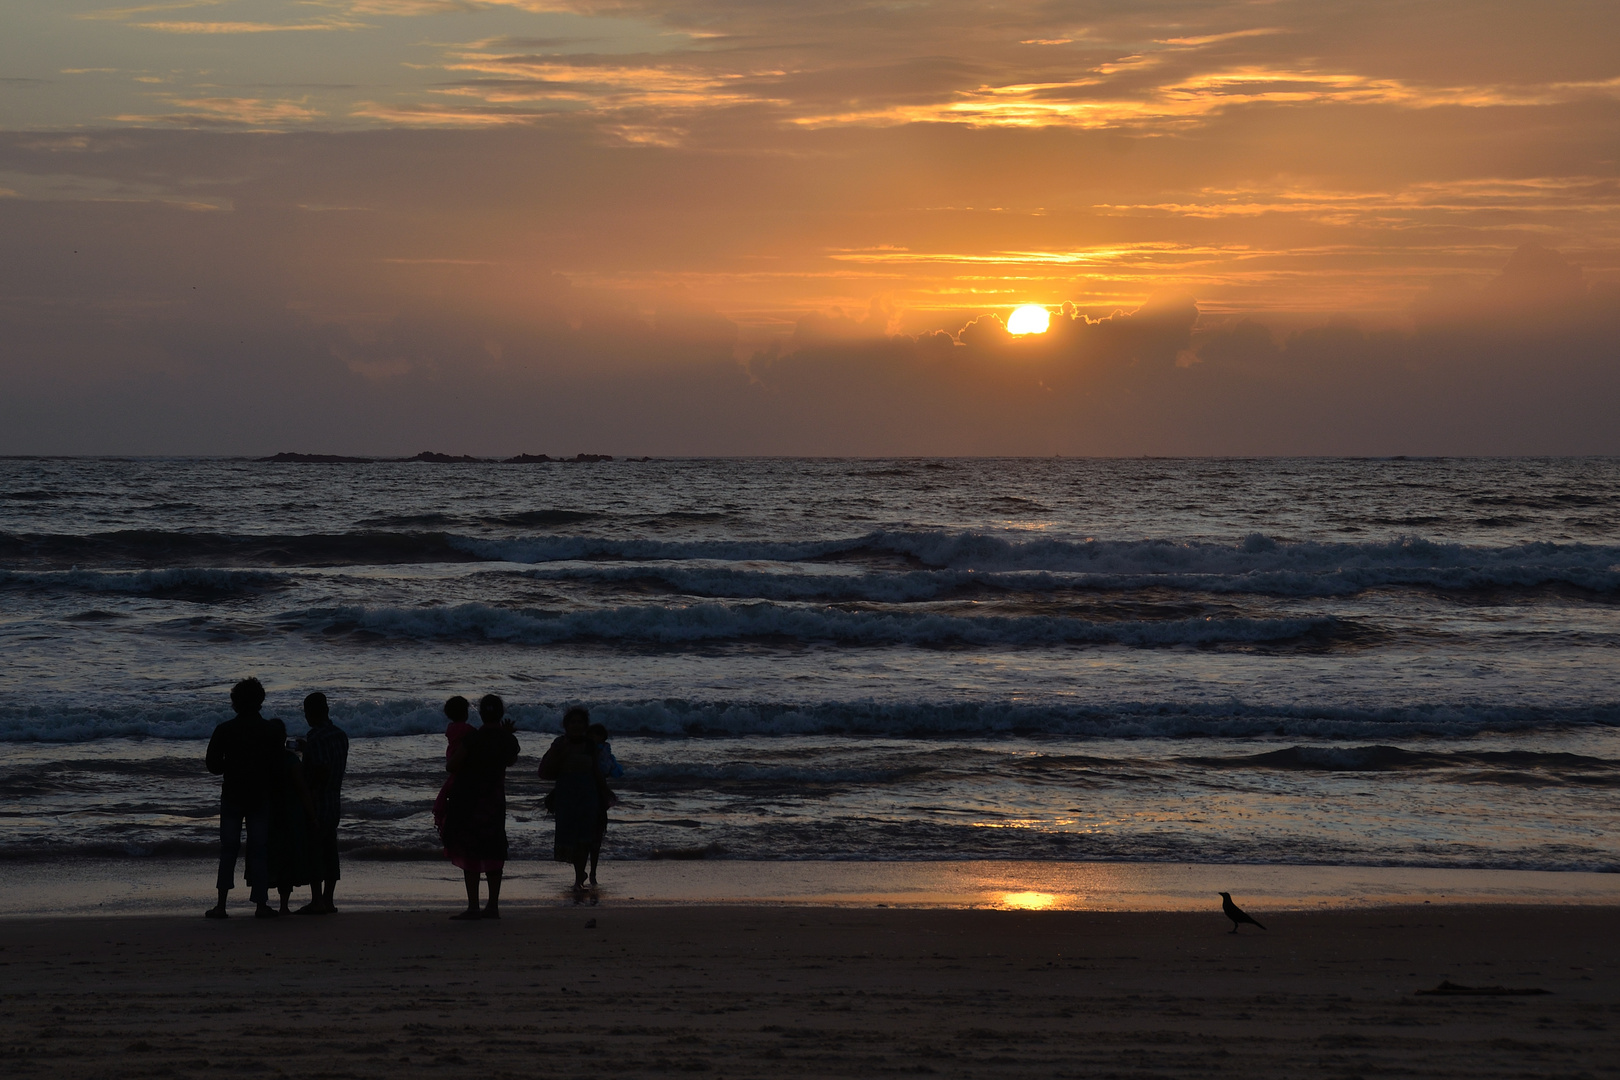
{"x":1356,"y":662}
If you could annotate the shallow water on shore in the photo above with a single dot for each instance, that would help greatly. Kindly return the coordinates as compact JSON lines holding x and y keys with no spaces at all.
{"x":184,"y":886}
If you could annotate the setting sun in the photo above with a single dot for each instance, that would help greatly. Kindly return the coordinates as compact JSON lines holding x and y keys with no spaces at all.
{"x":1029,"y":319}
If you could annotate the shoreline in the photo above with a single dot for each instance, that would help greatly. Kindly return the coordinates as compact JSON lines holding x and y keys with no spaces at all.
{"x":108,"y":887}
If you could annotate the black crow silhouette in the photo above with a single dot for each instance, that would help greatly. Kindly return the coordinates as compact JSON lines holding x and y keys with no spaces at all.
{"x":1235,"y":913}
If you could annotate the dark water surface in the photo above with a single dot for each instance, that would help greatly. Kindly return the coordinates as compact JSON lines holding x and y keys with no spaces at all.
{"x":1402,"y":662}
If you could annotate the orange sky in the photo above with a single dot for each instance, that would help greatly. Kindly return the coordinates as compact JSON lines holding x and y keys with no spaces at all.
{"x":640,"y":187}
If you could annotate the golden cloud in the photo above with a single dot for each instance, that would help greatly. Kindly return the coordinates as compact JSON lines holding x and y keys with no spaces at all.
{"x":193,"y":27}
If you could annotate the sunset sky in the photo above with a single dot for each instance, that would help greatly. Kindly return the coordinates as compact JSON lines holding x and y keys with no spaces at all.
{"x":241,"y":226}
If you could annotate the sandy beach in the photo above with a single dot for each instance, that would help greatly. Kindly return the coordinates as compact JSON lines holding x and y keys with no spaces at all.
{"x":814,"y":991}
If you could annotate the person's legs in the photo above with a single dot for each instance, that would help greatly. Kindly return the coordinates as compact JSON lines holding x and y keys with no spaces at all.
{"x":285,"y":891}
{"x":325,"y":861}
{"x":230,"y":843}
{"x":258,"y":858}
{"x":472,"y":912}
{"x":329,"y":865}
{"x":492,"y":910}
{"x":579,"y":871}
{"x":596,"y":853}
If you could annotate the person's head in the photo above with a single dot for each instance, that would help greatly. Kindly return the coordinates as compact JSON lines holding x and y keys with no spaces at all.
{"x":247,"y":696}
{"x":576,"y":722}
{"x":598,"y":733}
{"x":491,"y":708}
{"x":280,"y":727}
{"x":316,"y":710}
{"x":457,"y":709}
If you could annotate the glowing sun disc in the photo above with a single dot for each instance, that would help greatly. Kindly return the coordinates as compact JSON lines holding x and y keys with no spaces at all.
{"x":1029,"y":319}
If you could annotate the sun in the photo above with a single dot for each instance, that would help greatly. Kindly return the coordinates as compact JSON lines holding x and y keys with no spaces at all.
{"x":1029,"y":319}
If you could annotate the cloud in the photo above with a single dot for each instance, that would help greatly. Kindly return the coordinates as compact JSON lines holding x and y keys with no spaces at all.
{"x":135,"y":15}
{"x":153,"y":342}
{"x":220,"y":27}
{"x":1155,"y":69}
{"x":120,"y":14}
{"x":258,"y":113}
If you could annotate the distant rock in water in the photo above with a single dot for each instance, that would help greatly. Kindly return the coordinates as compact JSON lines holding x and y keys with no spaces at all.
{"x":320,"y":459}
{"x":439,"y":459}
{"x":445,"y":459}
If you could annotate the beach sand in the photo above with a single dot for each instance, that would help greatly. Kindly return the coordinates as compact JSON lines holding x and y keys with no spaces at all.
{"x":776,"y":991}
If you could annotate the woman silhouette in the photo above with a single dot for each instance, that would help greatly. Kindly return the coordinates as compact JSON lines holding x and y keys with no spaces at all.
{"x":475,"y":813}
{"x":579,"y":798}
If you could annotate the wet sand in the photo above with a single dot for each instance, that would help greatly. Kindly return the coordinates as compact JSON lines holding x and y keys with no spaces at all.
{"x":150,"y":886}
{"x":740,"y":991}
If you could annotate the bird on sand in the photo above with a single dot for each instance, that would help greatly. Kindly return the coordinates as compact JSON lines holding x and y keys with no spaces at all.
{"x":1235,"y":913}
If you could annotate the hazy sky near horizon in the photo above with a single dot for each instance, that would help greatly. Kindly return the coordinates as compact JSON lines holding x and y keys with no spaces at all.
{"x":745,"y":227}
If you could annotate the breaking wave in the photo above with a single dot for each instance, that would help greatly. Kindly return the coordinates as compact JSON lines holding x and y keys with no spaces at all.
{"x":716,"y":622}
{"x":929,"y":562}
{"x":55,"y":720}
{"x":1578,"y":767}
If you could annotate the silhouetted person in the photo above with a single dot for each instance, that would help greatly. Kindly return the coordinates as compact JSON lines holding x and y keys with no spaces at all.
{"x":456,"y":711}
{"x":292,"y":822}
{"x":246,"y":751}
{"x":1235,"y":913}
{"x":475,"y":817}
{"x":579,"y":798}
{"x":608,"y":766}
{"x":326,"y":759}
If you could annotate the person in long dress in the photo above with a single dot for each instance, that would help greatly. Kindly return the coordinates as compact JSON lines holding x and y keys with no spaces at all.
{"x":475,"y":814}
{"x":293,"y":823}
{"x":326,"y":759}
{"x":580,"y":793}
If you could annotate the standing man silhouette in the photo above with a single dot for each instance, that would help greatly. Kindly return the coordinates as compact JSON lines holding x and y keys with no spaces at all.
{"x":246,"y":751}
{"x":326,"y":757}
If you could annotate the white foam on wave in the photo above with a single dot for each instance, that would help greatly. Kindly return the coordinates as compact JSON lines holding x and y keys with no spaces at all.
{"x":710,"y":622}
{"x":71,"y":722}
{"x":1258,"y":564}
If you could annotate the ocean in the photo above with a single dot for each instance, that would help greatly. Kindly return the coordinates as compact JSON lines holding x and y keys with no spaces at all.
{"x":1347,"y":662}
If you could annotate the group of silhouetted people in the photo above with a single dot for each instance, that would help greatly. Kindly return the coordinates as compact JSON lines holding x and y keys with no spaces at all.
{"x":470,"y":811}
{"x":288,"y":795}
{"x":286,"y":792}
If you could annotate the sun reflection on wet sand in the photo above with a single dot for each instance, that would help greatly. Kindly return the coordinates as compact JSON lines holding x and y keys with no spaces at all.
{"x":157,"y":886}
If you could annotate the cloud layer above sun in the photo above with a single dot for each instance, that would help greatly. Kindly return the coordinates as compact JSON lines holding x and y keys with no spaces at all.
{"x":782,"y":216}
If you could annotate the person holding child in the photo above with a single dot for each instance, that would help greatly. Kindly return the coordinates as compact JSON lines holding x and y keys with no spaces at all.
{"x":475,"y":813}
